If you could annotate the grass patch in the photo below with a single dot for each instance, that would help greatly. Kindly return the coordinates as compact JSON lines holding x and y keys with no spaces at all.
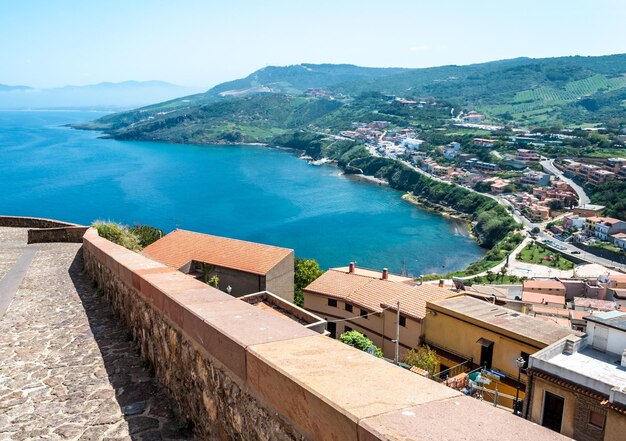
{"x":538,"y":254}
{"x":119,"y":234}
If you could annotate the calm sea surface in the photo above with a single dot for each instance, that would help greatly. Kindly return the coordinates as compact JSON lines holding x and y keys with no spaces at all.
{"x":245,"y":192}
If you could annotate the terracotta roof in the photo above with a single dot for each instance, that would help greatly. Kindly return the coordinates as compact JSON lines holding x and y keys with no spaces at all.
{"x":619,"y":235}
{"x":602,"y":305}
{"x":181,"y":246}
{"x":375,"y":274}
{"x":543,"y":284}
{"x":374,"y":294}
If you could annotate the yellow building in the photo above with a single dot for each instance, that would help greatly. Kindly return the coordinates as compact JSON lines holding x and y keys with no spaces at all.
{"x":490,"y":336}
{"x":356,"y":299}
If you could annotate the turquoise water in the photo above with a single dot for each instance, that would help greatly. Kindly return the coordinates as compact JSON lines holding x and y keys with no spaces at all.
{"x":246,"y":192}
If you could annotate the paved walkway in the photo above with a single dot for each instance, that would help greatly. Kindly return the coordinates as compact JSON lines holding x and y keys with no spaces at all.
{"x":68,"y":370}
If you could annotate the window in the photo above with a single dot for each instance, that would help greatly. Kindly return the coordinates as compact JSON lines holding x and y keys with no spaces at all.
{"x":348,"y":329}
{"x":332,"y":302}
{"x":348,"y":307}
{"x":596,"y":419}
{"x":331,"y":327}
{"x":402,"y":321}
{"x":363,"y":313}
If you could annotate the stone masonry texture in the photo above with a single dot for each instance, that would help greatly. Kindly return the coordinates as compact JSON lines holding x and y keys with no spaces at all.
{"x":209,"y":395}
{"x":68,"y":369}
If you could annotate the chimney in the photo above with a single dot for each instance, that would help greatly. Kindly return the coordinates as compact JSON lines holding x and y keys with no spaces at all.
{"x":351,"y":268}
{"x":385,"y":274}
{"x":441,"y":285}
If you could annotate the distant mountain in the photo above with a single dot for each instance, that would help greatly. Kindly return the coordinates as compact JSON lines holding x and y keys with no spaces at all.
{"x":298,"y":78}
{"x":127,"y":94}
{"x":6,"y":88}
{"x":277,"y":100}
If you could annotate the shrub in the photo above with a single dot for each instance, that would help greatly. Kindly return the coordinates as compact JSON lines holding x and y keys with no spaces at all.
{"x":423,"y":358}
{"x":361,"y":342}
{"x":146,"y":234}
{"x":117,"y":233}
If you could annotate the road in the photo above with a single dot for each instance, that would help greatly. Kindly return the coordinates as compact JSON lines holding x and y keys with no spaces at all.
{"x":548,"y":165}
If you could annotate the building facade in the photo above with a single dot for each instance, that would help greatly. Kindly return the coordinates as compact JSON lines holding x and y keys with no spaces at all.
{"x":577,"y":386}
{"x":357,"y":299}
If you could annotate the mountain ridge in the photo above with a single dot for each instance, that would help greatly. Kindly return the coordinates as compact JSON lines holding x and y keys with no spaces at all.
{"x":523,"y":90}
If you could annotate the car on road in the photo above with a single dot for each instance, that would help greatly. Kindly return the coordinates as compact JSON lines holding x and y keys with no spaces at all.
{"x":575,"y":252}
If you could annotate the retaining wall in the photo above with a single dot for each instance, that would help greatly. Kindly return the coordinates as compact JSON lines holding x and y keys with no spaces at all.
{"x":238,"y":372}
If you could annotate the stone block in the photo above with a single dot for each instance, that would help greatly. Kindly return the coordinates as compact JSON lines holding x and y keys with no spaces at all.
{"x":138,"y":274}
{"x":459,"y":417}
{"x":226,"y":328}
{"x":325,"y":387}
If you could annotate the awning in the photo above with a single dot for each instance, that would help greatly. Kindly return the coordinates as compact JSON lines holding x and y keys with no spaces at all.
{"x":484,"y":342}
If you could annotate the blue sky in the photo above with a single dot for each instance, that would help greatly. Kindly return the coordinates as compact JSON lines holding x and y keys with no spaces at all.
{"x":202,"y":43}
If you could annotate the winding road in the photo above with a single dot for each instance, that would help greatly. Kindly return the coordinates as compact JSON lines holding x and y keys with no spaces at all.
{"x":548,"y":165}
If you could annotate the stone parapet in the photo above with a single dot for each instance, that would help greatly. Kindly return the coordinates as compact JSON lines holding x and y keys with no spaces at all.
{"x":73,"y":234}
{"x":238,"y":372}
{"x":31,"y":222}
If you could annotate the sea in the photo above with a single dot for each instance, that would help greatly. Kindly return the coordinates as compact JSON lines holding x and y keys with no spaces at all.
{"x":246,"y":192}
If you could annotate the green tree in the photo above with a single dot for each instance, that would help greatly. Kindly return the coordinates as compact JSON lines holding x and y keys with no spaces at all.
{"x":361,"y":342}
{"x":424,"y":358}
{"x":305,"y":272}
{"x":146,"y":234}
{"x":491,"y":277}
{"x":503,"y":271}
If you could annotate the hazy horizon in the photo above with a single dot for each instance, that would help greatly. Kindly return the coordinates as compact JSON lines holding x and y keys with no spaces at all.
{"x":195,"y":44}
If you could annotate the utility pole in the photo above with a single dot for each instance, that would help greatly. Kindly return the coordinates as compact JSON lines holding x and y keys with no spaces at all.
{"x":395,"y":359}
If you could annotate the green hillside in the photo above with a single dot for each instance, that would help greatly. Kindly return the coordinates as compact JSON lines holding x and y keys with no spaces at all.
{"x":576,"y":89}
{"x":273,"y":100}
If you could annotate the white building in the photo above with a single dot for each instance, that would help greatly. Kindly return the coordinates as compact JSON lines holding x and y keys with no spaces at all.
{"x":412,"y":143}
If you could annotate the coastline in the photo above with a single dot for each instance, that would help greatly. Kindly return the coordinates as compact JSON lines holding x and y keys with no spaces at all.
{"x":423,"y":204}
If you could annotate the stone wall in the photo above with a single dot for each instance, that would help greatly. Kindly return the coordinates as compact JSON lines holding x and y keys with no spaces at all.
{"x":238,"y":372}
{"x":72,"y":234}
{"x":583,"y":430}
{"x":601,"y":252}
{"x":31,"y":222}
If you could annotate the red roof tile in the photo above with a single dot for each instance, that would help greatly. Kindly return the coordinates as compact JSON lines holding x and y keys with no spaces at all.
{"x":181,"y":246}
{"x":375,"y":294}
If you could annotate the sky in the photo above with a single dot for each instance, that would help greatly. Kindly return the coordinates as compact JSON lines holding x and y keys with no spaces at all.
{"x":47,"y":43}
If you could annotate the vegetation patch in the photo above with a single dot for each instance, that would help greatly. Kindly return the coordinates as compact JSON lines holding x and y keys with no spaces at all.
{"x":537,"y":253}
{"x":134,"y":238}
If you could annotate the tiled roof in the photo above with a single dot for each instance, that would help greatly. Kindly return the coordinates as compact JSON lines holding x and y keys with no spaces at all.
{"x":374,"y":294}
{"x":181,"y":246}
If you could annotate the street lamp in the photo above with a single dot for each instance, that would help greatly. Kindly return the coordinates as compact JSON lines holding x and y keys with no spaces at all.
{"x":520,"y":364}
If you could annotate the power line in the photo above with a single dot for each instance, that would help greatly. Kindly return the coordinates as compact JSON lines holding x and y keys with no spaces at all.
{"x":359,"y":316}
